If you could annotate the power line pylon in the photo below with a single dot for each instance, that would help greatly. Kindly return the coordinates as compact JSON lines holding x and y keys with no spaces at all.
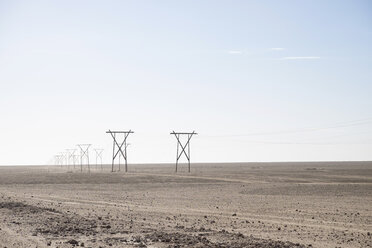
{"x":70,"y":157}
{"x":63,"y":158}
{"x":84,"y":153}
{"x":99,"y":154}
{"x":119,"y":147}
{"x":183,"y":147}
{"x":76,"y":159}
{"x":57,"y":160}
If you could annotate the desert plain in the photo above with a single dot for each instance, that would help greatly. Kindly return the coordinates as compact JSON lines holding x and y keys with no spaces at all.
{"x":317,"y":204}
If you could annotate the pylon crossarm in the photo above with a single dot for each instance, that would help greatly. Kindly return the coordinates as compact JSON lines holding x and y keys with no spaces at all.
{"x":128,"y":132}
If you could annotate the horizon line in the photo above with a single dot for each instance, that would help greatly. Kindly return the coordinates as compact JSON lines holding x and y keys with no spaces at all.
{"x":171,"y":163}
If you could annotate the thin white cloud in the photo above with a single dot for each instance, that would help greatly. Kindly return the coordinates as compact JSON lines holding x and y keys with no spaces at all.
{"x":300,"y":58}
{"x":235,"y":52}
{"x":277,"y":49}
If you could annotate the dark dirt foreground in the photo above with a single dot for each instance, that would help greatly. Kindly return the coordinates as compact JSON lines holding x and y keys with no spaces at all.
{"x":64,"y":229}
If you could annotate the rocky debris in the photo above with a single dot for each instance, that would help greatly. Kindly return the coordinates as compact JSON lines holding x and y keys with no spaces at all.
{"x":19,"y":207}
{"x":212,"y":239}
{"x":67,"y":225}
{"x":49,"y":222}
{"x":232,"y":240}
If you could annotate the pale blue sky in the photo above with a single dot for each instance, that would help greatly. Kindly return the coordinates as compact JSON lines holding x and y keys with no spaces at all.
{"x":258,"y":80}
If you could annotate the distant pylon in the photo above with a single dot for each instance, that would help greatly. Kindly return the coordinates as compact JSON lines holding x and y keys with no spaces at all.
{"x":119,"y":147}
{"x":63,"y":158}
{"x":57,"y":160}
{"x":99,"y":157}
{"x":76,"y":159}
{"x":70,"y":157}
{"x":183,"y":147}
{"x":84,"y":154}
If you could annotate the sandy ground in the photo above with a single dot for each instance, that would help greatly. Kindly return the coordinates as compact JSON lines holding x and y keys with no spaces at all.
{"x":216,"y":205}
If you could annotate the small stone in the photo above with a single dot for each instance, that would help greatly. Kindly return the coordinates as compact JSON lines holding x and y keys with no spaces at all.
{"x":72,"y":242}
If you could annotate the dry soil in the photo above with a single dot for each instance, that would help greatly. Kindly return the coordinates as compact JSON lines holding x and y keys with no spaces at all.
{"x":216,"y":205}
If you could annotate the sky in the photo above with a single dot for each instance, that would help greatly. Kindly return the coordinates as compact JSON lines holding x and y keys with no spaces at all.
{"x":259,"y":81}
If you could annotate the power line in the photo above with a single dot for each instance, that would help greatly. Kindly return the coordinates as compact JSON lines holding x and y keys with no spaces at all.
{"x":312,"y":129}
{"x":365,"y":142}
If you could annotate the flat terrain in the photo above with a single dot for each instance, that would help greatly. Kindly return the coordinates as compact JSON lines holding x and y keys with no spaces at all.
{"x":216,"y":205}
